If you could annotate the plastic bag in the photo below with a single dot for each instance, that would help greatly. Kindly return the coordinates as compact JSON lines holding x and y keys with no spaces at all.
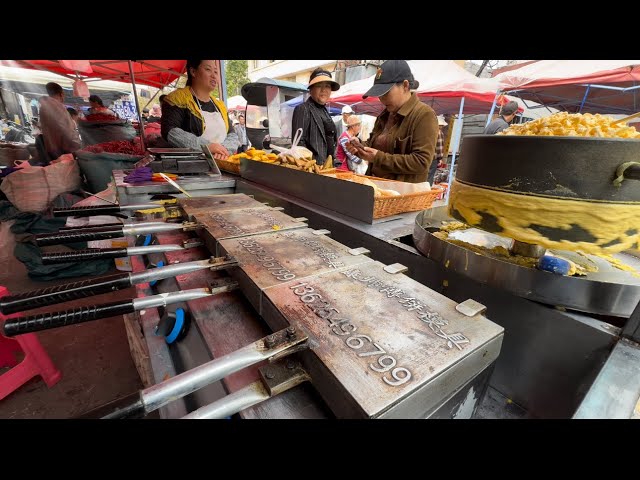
{"x":98,"y":168}
{"x":295,"y":151}
{"x":360,"y":168}
{"x":31,"y":189}
{"x":101,"y":132}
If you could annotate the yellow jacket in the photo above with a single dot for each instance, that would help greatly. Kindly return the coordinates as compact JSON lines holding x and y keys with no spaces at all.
{"x":183,"y":98}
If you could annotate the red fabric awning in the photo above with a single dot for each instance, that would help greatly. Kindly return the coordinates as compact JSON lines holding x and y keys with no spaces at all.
{"x":576,"y":85}
{"x":442,"y":85}
{"x":155,"y":73}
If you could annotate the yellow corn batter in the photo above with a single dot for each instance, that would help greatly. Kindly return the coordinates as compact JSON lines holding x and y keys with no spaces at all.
{"x":576,"y":268}
{"x":499,"y":252}
{"x":605,"y":221}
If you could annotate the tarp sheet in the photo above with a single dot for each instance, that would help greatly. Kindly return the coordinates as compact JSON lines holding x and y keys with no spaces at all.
{"x":595,"y":86}
{"x":155,"y":73}
{"x":442,"y":85}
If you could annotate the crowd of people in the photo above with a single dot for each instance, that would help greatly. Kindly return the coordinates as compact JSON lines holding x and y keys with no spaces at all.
{"x":406,"y":142}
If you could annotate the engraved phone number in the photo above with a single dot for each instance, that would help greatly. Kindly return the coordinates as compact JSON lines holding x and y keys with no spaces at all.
{"x":343,"y":327}
{"x":226,"y":225}
{"x":268,"y":262}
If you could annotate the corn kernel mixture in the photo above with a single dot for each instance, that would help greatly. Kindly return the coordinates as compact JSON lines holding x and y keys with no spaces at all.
{"x":565,"y":124}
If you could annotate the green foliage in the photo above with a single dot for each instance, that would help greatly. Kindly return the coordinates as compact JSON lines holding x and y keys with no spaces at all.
{"x":236,"y":72}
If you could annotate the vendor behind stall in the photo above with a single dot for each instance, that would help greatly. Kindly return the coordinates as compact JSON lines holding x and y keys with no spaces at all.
{"x":192,"y":116}
{"x":98,"y":108}
{"x":155,"y":114}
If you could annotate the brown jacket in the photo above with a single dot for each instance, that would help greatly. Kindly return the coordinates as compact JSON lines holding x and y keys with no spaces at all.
{"x":414,"y":143}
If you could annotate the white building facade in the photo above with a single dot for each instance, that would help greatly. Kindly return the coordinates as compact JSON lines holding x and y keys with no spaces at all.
{"x":288,"y":70}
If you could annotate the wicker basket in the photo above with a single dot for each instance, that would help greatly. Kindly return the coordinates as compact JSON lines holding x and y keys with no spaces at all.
{"x":386,"y":206}
{"x":228,"y":166}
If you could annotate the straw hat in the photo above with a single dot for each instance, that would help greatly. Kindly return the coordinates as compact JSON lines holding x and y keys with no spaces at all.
{"x":319,"y":75}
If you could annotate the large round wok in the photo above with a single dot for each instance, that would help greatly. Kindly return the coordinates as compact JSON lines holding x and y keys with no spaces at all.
{"x":579,"y":171}
{"x":565,"y":167}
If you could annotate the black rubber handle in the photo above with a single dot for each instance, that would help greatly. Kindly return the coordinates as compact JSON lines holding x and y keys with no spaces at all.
{"x":46,"y":321}
{"x":115,"y":224}
{"x":63,"y":293}
{"x":58,"y":238}
{"x":632,"y":173}
{"x":83,"y":255}
{"x":86,"y":211}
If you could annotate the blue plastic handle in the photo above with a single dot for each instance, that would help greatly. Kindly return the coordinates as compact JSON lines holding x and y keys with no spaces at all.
{"x":554,"y":265}
{"x":177,"y":327}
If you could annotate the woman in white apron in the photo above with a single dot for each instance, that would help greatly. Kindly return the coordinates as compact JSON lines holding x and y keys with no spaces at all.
{"x":192,"y":116}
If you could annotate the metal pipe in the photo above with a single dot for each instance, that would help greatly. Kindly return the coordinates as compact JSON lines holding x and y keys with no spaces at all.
{"x":244,"y":398}
{"x":159,"y":227}
{"x":584,"y":99}
{"x":493,"y":108}
{"x":143,"y":140}
{"x":118,"y":224}
{"x":164,"y":299}
{"x":456,"y":143}
{"x":153,"y":249}
{"x":177,"y":387}
{"x":223,"y":82}
{"x":169,"y":271}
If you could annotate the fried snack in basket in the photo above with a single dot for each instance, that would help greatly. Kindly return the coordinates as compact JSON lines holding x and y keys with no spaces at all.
{"x":565,"y":124}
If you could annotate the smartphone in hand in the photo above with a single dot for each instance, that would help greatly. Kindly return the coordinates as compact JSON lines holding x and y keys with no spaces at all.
{"x":355,"y":141}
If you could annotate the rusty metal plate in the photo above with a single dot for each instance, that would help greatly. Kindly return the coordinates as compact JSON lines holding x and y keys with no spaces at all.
{"x":272,"y":259}
{"x":218,"y":203}
{"x":383,"y":345}
{"x":241,"y":223}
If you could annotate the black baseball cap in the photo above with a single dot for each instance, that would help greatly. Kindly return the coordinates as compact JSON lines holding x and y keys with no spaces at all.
{"x":388,"y":74}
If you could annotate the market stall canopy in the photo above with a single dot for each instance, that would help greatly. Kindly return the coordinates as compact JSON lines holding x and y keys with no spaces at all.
{"x":576,"y":86}
{"x":155,"y":73}
{"x":442,"y":85}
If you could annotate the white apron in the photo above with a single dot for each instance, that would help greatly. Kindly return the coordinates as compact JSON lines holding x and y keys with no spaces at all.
{"x":215,"y":131}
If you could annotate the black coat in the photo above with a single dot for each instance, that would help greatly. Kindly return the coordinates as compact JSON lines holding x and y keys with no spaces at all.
{"x":307,"y":117}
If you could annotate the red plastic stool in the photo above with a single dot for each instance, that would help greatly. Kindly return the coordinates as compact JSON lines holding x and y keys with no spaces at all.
{"x":35,"y":362}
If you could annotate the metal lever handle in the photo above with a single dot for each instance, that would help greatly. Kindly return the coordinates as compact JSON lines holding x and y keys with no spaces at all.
{"x":276,"y":345}
{"x":632,"y":173}
{"x":115,"y":224}
{"x":86,"y":211}
{"x":275,"y":379}
{"x":63,"y":293}
{"x":83,"y":255}
{"x":73,"y":236}
{"x":46,"y":321}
